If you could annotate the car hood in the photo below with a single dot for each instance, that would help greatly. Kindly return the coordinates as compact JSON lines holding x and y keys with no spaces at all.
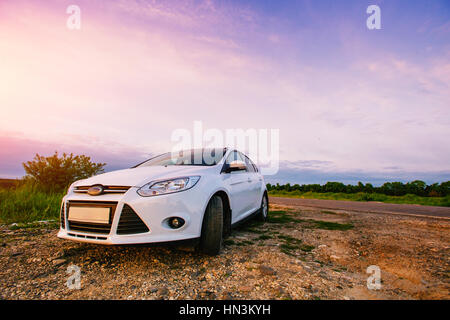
{"x":137,"y":177}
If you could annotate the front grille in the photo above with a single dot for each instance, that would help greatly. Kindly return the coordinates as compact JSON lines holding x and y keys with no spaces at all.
{"x":130,"y":222}
{"x":89,"y":227}
{"x":100,"y":228}
{"x":82,"y":236}
{"x":106,"y":189}
{"x":62,"y":216}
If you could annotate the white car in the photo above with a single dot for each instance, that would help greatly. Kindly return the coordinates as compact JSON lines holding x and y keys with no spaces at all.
{"x":193,"y":194}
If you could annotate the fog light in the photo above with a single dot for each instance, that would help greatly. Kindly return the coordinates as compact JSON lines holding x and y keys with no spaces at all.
{"x":176,"y":222}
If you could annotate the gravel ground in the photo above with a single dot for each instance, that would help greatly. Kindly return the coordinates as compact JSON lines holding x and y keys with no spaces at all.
{"x":301,"y":253}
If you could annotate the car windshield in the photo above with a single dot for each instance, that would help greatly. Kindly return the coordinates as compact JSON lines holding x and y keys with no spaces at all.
{"x":192,"y":157}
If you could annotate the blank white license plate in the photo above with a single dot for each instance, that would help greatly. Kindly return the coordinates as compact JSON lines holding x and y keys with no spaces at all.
{"x":87,"y":214}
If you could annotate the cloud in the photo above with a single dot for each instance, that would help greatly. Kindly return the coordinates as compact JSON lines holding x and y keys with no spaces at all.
{"x":307,"y":164}
{"x":137,"y":71}
{"x":16,"y":149}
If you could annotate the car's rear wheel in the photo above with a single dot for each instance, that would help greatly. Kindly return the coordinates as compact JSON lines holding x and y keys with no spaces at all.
{"x":264,"y":210}
{"x":212,"y":227}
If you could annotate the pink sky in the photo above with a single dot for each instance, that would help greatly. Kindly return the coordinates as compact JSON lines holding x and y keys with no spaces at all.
{"x":340,"y":94}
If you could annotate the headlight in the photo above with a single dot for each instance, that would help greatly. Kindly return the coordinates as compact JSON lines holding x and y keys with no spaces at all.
{"x":155,"y":188}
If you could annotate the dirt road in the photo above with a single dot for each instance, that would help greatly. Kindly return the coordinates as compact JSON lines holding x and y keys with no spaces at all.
{"x":300,"y":253}
{"x":374,"y":207}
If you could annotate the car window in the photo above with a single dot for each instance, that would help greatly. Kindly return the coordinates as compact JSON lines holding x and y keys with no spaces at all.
{"x":235,"y":156}
{"x":254,"y":165}
{"x":231,"y":157}
{"x":248,"y":163}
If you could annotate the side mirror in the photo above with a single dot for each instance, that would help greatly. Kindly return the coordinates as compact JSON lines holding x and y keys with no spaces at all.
{"x":236,"y":166}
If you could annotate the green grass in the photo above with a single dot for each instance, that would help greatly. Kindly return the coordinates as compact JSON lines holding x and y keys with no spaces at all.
{"x":361,"y":196}
{"x":289,"y":239}
{"x":27,"y":204}
{"x":306,"y":248}
{"x":291,"y":244}
{"x":319,"y":224}
{"x":264,"y":237}
{"x":228,"y":242}
{"x":49,"y":224}
{"x":280,"y":217}
{"x":258,"y":231}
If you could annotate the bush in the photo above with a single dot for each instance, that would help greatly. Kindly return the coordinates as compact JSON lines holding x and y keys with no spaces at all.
{"x":54,"y":173}
{"x":366,"y":197}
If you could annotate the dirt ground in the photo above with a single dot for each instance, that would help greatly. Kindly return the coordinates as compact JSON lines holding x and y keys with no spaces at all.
{"x":299,"y":253}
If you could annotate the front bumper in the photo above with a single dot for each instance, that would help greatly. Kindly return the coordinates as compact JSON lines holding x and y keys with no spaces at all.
{"x":153,"y":211}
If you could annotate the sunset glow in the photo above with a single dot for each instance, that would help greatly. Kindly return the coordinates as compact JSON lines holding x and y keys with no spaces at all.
{"x":347,"y":100}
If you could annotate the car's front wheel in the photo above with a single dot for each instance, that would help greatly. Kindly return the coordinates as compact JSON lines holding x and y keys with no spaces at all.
{"x":212,"y":227}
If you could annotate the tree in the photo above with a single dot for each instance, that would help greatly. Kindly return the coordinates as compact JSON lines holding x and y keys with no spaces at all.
{"x":416,"y":187}
{"x":334,"y":187}
{"x":54,"y":173}
{"x":368,"y":188}
{"x":445,"y":188}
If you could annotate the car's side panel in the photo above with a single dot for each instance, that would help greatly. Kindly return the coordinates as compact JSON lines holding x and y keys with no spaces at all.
{"x":238,"y":189}
{"x":255,"y":183}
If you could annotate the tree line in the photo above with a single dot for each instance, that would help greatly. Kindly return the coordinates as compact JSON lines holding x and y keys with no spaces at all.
{"x":416,"y":187}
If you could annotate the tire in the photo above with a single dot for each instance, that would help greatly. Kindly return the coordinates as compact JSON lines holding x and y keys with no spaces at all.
{"x":263,"y":212}
{"x":212,"y":227}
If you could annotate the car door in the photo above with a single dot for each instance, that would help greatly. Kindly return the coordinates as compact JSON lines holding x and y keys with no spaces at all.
{"x":255,"y":183}
{"x":238,"y":187}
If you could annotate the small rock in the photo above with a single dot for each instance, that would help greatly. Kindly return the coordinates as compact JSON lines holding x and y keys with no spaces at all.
{"x":163,"y":291}
{"x":186,"y":248}
{"x":58,"y":262}
{"x":195,"y":273}
{"x":265,"y":270}
{"x":227,"y":296}
{"x":246,"y":288}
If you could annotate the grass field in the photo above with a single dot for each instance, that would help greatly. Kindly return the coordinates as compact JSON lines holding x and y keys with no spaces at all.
{"x":361,"y":196}
{"x":27,"y":204}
